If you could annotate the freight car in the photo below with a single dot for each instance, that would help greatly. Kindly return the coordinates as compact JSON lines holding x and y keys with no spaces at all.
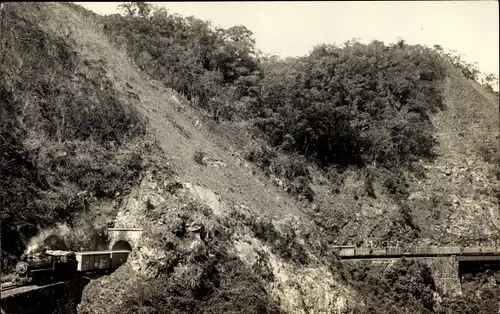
{"x":52,"y":265}
{"x":95,"y":261}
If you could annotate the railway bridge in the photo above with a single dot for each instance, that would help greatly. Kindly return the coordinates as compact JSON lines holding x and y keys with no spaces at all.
{"x":447,"y":263}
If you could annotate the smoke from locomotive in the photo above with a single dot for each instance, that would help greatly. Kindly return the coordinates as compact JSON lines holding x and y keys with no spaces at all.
{"x":36,"y":242}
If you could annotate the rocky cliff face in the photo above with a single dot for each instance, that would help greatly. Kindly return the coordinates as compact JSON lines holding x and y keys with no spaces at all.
{"x":458,"y":200}
{"x":195,"y":243}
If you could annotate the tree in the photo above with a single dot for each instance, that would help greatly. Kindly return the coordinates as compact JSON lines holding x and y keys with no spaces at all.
{"x":490,"y":82}
{"x":235,"y":54}
{"x":136,"y":9}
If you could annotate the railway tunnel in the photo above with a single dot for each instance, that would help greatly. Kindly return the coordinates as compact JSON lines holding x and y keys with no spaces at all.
{"x":124,"y":238}
{"x":121,"y":245}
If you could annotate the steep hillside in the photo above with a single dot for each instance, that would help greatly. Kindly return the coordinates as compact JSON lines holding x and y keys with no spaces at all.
{"x":173,"y":122}
{"x":242,"y":172}
{"x":451,"y":200}
{"x":223,"y":196}
{"x":70,"y":146}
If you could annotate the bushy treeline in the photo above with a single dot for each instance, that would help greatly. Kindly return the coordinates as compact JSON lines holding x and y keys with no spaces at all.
{"x":66,"y":140}
{"x":212,"y":67}
{"x":356,"y":105}
{"x":352,"y":105}
{"x":470,"y":70}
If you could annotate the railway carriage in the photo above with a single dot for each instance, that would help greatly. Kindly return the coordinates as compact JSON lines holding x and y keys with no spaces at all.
{"x":455,"y":250}
{"x":363,"y":251}
{"x":95,"y":261}
{"x":394,"y":251}
{"x":347,"y":251}
{"x":434,"y":250}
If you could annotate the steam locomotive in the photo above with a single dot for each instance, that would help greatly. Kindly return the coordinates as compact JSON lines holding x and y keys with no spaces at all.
{"x":59,"y":265}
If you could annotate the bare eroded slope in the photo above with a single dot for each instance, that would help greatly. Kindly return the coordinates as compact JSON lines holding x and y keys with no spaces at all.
{"x":172,"y":122}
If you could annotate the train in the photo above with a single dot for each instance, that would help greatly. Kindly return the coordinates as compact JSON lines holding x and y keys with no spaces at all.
{"x":354,"y":252}
{"x":59,"y":265}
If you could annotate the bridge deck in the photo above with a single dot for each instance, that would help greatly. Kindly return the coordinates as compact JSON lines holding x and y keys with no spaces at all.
{"x":478,"y":258}
{"x":462,"y":253}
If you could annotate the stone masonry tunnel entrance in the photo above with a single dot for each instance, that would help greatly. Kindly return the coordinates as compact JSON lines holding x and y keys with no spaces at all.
{"x":124,"y":238}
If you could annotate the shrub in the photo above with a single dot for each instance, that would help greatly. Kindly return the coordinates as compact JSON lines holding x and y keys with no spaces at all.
{"x":199,"y":157}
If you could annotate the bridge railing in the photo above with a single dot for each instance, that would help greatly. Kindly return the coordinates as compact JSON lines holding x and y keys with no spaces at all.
{"x":352,"y":251}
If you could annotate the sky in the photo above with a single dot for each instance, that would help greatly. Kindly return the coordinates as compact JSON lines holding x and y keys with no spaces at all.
{"x":294,"y":28}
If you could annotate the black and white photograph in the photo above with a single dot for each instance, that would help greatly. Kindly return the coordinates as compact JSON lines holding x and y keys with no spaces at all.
{"x":250,"y":157}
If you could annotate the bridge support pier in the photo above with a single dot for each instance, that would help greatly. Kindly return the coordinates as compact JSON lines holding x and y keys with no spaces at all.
{"x":446,"y":274}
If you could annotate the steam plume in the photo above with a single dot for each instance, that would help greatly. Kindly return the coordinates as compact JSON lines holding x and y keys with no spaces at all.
{"x":61,"y":230}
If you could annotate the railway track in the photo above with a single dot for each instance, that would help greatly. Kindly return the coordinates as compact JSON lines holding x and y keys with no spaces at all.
{"x":8,"y":286}
{"x":467,"y":253}
{"x":12,"y":290}
{"x":9,"y":289}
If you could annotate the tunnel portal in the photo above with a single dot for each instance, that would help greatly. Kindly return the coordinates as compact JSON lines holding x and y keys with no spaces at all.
{"x":124,"y":238}
{"x":121,"y":245}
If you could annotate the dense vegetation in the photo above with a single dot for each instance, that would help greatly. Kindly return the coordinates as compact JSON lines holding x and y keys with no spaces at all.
{"x":357,"y":105}
{"x":211,"y":67}
{"x":480,"y":293}
{"x":407,"y":286}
